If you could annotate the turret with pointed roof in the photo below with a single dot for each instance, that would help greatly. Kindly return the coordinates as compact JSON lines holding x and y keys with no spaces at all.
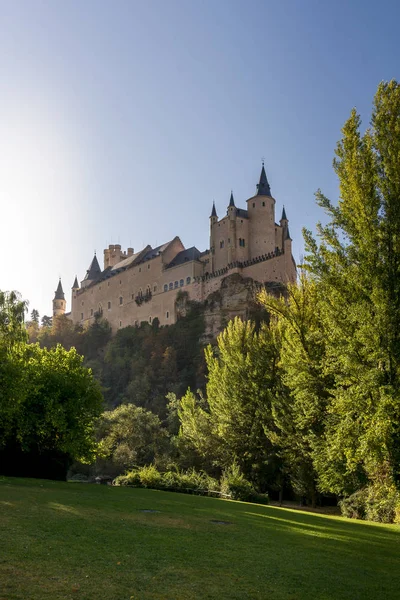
{"x":213,"y":212}
{"x":93,"y":272}
{"x":76,"y":284}
{"x":263,"y":188}
{"x":284,"y":217}
{"x":231,"y":201}
{"x":59,"y":303}
{"x":59,"y":293}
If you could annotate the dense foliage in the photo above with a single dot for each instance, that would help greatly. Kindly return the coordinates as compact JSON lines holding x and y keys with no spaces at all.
{"x":48,"y":401}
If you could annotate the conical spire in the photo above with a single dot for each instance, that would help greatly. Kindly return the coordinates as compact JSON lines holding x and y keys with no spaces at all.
{"x":94,"y":270}
{"x":76,"y":284}
{"x":263,"y":188}
{"x":231,"y":201}
{"x":59,"y":293}
{"x":213,"y":212}
{"x":284,"y":217}
{"x":287,"y":234}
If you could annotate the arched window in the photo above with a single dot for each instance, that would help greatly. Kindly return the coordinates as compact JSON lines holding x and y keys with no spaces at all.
{"x":165,"y":287}
{"x":109,"y":305}
{"x":167,"y":315}
{"x":181,"y":283}
{"x":100,"y":310}
{"x":187,"y":280}
{"x":221,"y":244}
{"x":171,"y":286}
{"x":176,"y":284}
{"x":121,"y":300}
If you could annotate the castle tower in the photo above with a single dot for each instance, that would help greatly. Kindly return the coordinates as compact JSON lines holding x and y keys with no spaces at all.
{"x":261,"y":211}
{"x":231,"y":230}
{"x":213,"y":222}
{"x":284,"y":223}
{"x":59,"y":303}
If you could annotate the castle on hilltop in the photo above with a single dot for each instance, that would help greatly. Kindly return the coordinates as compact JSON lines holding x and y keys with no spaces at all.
{"x":140,"y":286}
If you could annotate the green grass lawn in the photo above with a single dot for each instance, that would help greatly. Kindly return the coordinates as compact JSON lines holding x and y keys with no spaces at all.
{"x":64,"y":541}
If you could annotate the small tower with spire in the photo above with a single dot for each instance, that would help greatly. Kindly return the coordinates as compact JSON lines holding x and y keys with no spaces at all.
{"x":59,"y":303}
{"x":231,"y":237}
{"x":213,"y":223}
{"x":93,"y":272}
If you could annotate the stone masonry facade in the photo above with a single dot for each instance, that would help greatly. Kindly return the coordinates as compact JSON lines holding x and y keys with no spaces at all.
{"x":135,"y":287}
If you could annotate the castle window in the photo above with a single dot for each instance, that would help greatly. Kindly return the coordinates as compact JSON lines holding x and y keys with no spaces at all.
{"x":229,"y":240}
{"x":100,"y":310}
{"x":108,"y":284}
{"x":120,"y":282}
{"x":149,"y":319}
{"x":254,"y":204}
{"x":109,"y":305}
{"x":165,"y":287}
{"x":148,"y":266}
{"x":263,"y":203}
{"x":81,"y":316}
{"x":221,"y":244}
{"x":187,"y":280}
{"x":167,"y":315}
{"x":154,"y":288}
{"x":140,"y":269}
{"x":181,"y":283}
{"x":83,"y":303}
{"x":120,"y":300}
{"x":176,"y":284}
{"x":91,"y":312}
{"x":242,"y":242}
{"x":120,"y":323}
{"x":171,"y":286}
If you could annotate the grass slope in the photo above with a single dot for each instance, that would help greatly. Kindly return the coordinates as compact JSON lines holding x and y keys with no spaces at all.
{"x":62,"y":541}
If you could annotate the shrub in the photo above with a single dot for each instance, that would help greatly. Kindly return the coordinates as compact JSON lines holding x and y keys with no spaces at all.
{"x":150,"y":477}
{"x":234,"y":483}
{"x":381,"y":502}
{"x":130,"y":478}
{"x":353,"y":507}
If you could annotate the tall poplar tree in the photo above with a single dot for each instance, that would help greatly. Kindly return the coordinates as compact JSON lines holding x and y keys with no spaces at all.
{"x":356,"y":266}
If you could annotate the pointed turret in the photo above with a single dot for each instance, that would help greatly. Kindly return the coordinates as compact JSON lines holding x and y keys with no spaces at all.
{"x":287,"y":233}
{"x":76,"y":284}
{"x":213,"y":212}
{"x":94,"y":270}
{"x":59,"y":293}
{"x":263,"y":188}
{"x":284,"y":217}
{"x":59,"y":303}
{"x":231,"y":201}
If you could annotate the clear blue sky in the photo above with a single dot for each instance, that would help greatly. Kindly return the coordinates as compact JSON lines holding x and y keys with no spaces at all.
{"x":122,"y":121}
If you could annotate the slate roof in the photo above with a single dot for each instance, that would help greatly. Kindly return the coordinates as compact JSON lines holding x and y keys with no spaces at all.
{"x":241,"y":212}
{"x":263,"y":188}
{"x":184,"y":256}
{"x":76,"y":284}
{"x":231,"y":200}
{"x":153,"y":252}
{"x":59,"y":293}
{"x":213,"y":212}
{"x":93,"y":271}
{"x":284,"y":214}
